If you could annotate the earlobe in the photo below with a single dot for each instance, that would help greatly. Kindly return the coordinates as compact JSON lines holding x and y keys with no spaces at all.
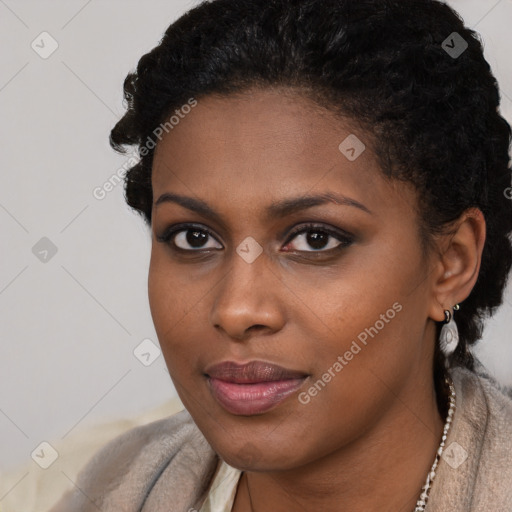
{"x":459,"y":262}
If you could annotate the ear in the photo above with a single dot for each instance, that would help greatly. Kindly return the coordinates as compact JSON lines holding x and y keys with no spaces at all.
{"x":457,"y":264}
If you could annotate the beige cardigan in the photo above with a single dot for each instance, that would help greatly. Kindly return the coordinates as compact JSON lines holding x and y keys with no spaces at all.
{"x":167,"y":465}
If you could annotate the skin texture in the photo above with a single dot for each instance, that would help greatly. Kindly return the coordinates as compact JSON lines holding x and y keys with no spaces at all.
{"x":367,"y":440}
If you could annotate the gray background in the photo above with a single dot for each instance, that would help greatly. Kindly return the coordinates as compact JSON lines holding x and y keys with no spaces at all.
{"x":69,"y":325}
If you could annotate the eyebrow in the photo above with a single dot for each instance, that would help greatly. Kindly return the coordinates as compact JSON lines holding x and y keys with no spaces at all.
{"x":277,"y":209}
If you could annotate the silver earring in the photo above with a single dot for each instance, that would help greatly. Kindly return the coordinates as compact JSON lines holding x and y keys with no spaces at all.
{"x":449,"y":336}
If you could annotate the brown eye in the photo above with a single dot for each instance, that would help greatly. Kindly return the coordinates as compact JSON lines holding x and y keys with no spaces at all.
{"x":189,"y":238}
{"x":193,"y":238}
{"x":314,"y":238}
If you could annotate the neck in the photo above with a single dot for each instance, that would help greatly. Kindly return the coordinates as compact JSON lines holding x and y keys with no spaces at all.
{"x":383,"y":470}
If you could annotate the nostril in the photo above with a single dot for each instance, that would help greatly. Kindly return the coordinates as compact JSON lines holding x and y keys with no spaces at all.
{"x":257,"y":327}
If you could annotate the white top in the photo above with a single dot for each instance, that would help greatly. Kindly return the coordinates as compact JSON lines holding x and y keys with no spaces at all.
{"x":222,"y":490}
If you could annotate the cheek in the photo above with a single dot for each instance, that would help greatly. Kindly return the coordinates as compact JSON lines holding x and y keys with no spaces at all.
{"x":346,"y":299}
{"x":161,"y":297}
{"x":177,"y":306}
{"x":366,"y":315}
{"x":172,"y":295}
{"x":168,"y":305}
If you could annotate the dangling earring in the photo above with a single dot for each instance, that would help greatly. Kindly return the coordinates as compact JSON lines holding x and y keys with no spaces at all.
{"x":449,"y":336}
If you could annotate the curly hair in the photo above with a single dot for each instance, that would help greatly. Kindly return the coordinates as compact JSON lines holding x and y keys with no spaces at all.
{"x":433,"y":118}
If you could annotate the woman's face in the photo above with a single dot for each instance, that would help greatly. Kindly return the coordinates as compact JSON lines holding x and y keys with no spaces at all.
{"x":335,"y":290}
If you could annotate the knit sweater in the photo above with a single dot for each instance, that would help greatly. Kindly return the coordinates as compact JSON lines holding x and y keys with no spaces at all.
{"x":168,"y":466}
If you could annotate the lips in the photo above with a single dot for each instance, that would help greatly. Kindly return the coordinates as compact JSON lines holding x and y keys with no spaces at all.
{"x":252,"y":388}
{"x":252,"y":372}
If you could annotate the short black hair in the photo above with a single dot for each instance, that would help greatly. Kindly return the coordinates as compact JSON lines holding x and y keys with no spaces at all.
{"x":425,"y":96}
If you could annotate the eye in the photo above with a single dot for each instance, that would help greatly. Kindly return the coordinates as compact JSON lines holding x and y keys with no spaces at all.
{"x":189,"y":238}
{"x":310,"y":238}
{"x":319,"y":238}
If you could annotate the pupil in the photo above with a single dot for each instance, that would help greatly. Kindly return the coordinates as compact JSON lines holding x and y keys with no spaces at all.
{"x":196,"y":238}
{"x":317,"y":239}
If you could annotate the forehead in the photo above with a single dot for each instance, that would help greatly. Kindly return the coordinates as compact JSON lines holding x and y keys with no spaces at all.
{"x":265,"y":144}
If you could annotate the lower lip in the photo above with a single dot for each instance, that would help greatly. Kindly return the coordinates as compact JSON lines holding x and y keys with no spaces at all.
{"x":250,"y":399}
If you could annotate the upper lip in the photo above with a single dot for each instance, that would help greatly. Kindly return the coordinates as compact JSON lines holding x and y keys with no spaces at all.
{"x":251,"y":372}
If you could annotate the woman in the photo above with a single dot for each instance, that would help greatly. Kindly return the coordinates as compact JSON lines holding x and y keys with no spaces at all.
{"x":326,"y":185}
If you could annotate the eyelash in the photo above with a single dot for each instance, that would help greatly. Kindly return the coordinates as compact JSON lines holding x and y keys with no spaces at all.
{"x":343,"y":237}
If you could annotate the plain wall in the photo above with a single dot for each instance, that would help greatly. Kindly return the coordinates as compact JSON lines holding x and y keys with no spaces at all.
{"x":69,"y":325}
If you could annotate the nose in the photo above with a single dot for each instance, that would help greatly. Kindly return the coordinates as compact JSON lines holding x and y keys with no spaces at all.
{"x":247,"y":299}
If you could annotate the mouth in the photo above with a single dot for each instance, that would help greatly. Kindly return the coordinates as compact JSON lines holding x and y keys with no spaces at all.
{"x":252,"y":388}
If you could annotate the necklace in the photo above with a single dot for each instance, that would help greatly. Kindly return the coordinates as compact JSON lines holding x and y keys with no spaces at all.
{"x":422,"y":501}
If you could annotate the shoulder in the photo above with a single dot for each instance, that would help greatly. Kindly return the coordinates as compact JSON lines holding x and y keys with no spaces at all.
{"x":482,"y":430}
{"x":486,"y":400}
{"x":168,"y":456}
